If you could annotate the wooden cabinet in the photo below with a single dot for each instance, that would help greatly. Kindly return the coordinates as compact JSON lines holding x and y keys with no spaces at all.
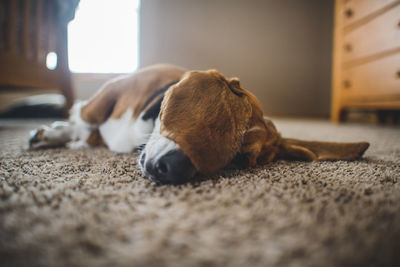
{"x":29,"y":31}
{"x":366,"y":59}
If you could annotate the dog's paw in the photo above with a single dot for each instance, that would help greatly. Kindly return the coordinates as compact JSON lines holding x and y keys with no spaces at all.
{"x":38,"y":138}
{"x":56,"y":135}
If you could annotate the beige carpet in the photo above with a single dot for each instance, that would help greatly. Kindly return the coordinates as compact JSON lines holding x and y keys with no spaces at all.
{"x":92,"y":207}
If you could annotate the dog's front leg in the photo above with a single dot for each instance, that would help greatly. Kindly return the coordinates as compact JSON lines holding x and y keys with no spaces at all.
{"x":57,"y":134}
{"x":76,"y":133}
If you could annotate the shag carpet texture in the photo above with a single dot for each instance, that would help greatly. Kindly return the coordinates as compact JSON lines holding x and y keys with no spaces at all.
{"x":93,"y":207}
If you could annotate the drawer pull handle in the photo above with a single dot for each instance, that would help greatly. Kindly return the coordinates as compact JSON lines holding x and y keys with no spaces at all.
{"x":348,"y":47}
{"x":398,"y":74}
{"x":346,"y":84}
{"x":349,"y":13}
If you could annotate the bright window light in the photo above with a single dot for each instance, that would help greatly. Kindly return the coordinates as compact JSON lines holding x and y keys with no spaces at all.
{"x":103,"y":37}
{"x":51,"y":61}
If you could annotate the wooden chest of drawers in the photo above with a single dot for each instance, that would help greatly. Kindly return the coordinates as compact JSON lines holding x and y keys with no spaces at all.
{"x":366,"y":59}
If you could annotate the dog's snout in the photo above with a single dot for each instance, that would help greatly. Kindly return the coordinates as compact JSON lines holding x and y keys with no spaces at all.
{"x":172,"y":168}
{"x":162,"y":167}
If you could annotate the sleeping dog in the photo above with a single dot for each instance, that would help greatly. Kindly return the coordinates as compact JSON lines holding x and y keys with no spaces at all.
{"x":184,"y":122}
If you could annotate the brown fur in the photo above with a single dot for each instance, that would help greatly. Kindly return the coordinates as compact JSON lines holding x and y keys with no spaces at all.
{"x":206,"y":118}
{"x":132,"y":91}
{"x":95,"y":139}
{"x":314,"y":150}
{"x":212,"y":119}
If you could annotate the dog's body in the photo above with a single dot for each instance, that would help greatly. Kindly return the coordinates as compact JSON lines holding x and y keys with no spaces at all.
{"x":186,"y":122}
{"x":115,"y":116}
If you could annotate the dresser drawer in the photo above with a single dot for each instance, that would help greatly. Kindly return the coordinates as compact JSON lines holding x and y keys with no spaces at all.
{"x":354,"y":10}
{"x":379,"y":79}
{"x":378,"y":35}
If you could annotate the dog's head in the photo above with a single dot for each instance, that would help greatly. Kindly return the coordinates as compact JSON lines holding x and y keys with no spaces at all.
{"x":206,"y":121}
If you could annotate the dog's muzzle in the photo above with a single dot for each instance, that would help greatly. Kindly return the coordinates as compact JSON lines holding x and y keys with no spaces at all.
{"x":172,"y":168}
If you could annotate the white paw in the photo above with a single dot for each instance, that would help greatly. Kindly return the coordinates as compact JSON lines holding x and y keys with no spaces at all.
{"x":37,"y":138}
{"x":58,"y":134}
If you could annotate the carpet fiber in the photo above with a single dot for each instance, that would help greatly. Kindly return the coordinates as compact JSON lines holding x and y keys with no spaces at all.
{"x":92,"y":207}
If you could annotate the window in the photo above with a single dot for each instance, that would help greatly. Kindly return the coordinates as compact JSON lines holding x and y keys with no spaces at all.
{"x":103,"y":37}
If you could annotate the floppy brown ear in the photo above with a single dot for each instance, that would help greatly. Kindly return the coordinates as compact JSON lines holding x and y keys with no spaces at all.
{"x":234,"y":85}
{"x":315,"y":150}
{"x":207,"y":117}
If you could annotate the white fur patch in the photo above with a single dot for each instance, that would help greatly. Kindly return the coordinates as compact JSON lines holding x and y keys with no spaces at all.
{"x":82,"y":129}
{"x":123,"y":135}
{"x":158,"y":145}
{"x":78,"y":130}
{"x":58,"y":130}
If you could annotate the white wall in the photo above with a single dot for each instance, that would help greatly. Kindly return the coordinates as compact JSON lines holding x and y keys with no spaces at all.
{"x":280,"y":49}
{"x":86,"y":84}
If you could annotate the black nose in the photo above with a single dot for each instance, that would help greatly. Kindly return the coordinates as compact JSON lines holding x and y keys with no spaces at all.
{"x":172,"y":168}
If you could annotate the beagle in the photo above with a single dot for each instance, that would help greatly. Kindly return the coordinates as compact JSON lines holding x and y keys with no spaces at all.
{"x":183,"y":122}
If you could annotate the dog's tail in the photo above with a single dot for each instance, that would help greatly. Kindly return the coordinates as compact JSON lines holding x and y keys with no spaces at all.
{"x":316,"y":150}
